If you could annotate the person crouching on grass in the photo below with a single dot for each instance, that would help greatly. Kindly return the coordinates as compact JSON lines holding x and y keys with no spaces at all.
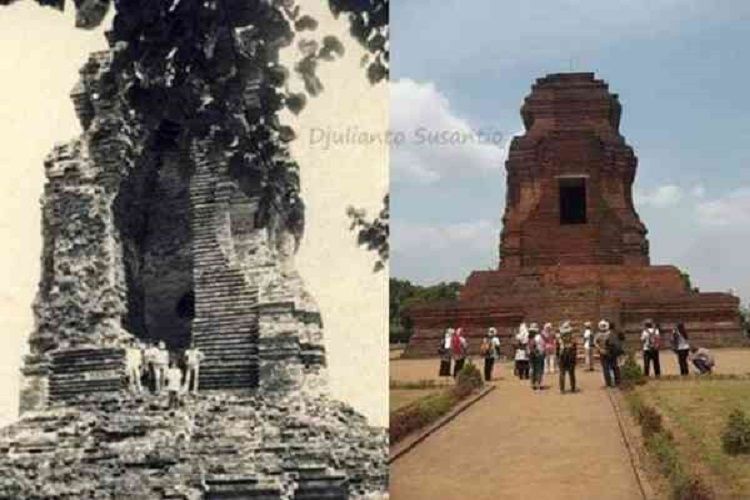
{"x":702,"y":360}
{"x":567,"y":350}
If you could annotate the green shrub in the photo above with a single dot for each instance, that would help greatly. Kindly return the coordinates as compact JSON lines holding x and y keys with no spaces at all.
{"x":650,"y":421}
{"x":692,"y":488}
{"x":663,"y":448}
{"x":736,"y":436}
{"x":430,"y":408}
{"x":631,"y":373}
{"x":469,"y":379}
{"x":420,"y":413}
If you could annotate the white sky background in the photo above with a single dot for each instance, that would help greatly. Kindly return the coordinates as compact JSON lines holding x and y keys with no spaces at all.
{"x":41,"y":53}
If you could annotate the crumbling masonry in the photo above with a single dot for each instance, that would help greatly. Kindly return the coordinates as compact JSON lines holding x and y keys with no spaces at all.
{"x":161,"y":238}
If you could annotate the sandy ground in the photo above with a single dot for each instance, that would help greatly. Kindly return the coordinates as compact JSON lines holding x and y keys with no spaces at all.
{"x":517,"y":443}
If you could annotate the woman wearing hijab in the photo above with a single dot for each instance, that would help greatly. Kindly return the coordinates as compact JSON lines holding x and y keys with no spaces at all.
{"x":650,"y":338}
{"x":445,"y":353}
{"x":536,"y":353}
{"x":681,"y":347}
{"x":522,"y":352}
{"x":550,"y":347}
{"x":490,"y":350}
{"x":459,"y":347}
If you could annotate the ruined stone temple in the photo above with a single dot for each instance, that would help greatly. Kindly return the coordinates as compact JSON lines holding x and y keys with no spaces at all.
{"x":154,"y":241}
{"x":572,"y":244}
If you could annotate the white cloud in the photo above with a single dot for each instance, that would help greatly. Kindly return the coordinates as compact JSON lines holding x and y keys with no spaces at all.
{"x":731,"y":210}
{"x":409,"y":236}
{"x":435,"y":143}
{"x":661,"y":197}
{"x":428,"y":253}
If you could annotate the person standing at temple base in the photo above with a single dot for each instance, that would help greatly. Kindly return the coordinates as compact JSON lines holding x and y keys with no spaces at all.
{"x":651,"y":341}
{"x":193,"y":359}
{"x":550,"y":348}
{"x":537,"y":349}
{"x":490,"y":349}
{"x":161,"y":363}
{"x":567,"y":350}
{"x":173,"y":383}
{"x":151,"y":356}
{"x":522,"y":359}
{"x":681,"y":347}
{"x":445,"y":353}
{"x":606,"y":344}
{"x":588,"y":346}
{"x":459,"y":349}
{"x":133,"y":365}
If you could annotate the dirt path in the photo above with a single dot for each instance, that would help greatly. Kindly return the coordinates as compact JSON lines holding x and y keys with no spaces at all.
{"x":517,"y":443}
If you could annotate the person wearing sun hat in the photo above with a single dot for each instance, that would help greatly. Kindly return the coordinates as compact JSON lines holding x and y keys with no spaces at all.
{"x":490,"y":349}
{"x":567,"y":351}
{"x":536,"y":355}
{"x":609,"y":348}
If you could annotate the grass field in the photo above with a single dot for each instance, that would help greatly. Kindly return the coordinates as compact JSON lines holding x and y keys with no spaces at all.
{"x":402,"y":397}
{"x":697,"y":410}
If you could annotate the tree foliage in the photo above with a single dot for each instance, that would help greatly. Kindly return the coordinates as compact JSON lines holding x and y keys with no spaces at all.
{"x":372,"y":234}
{"x":209,"y":69}
{"x":404,"y":294}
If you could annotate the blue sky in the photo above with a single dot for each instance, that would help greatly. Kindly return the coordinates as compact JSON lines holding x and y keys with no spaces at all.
{"x":681,"y":68}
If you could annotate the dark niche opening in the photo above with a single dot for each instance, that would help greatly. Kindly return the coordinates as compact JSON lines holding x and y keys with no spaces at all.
{"x":572,"y":200}
{"x":153,"y":218}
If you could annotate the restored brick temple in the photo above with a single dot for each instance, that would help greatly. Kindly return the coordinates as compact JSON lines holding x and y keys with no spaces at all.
{"x":572,"y":245}
{"x":161,"y":240}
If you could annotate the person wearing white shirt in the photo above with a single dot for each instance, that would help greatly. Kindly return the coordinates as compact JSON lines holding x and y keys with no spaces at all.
{"x":151,"y":355}
{"x":491,"y":351}
{"x":522,"y":359}
{"x":651,"y":341}
{"x":536,"y":353}
{"x":133,"y":365}
{"x":161,"y":363}
{"x":173,"y":379}
{"x":681,"y":347}
{"x":588,"y":345}
{"x":193,"y":359}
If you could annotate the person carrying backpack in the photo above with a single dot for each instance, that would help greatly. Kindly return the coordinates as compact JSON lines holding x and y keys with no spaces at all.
{"x":567,"y":351}
{"x":537,"y":349}
{"x":490,"y":349}
{"x":445,"y":353}
{"x":609,"y":347}
{"x":651,"y":342}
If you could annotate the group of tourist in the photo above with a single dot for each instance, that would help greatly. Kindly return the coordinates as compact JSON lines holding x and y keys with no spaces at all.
{"x":154,"y":366}
{"x":546,"y":350}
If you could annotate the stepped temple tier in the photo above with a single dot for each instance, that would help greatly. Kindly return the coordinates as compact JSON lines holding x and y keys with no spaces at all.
{"x":572,"y":245}
{"x":148,"y":235}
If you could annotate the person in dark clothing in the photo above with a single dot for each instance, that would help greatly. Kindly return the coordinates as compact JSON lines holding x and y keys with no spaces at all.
{"x":567,"y":350}
{"x":651,"y":340}
{"x":609,"y":347}
{"x":490,"y":349}
{"x":702,"y":360}
{"x":681,"y":347}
